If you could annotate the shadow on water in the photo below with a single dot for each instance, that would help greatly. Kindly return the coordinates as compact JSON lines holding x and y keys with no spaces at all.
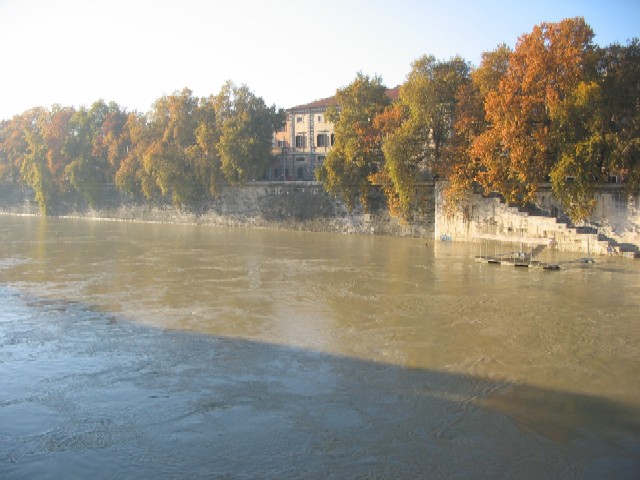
{"x":90,"y":394}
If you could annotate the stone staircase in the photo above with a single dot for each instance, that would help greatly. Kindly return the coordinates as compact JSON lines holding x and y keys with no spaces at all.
{"x":488,"y":218}
{"x":568,"y":237}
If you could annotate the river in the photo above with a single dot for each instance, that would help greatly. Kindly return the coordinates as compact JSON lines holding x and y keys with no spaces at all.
{"x":132,"y":350}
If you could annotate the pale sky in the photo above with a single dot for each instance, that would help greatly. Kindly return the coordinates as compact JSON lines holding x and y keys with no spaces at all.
{"x":289,"y":52}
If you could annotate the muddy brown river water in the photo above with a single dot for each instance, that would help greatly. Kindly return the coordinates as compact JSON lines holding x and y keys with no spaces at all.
{"x":164,"y":351}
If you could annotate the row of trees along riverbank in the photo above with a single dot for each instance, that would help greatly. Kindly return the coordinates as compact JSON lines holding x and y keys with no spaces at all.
{"x":555,"y":108}
{"x":183,"y":149}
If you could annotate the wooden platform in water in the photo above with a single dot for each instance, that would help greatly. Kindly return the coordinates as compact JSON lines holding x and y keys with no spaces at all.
{"x":515,"y":262}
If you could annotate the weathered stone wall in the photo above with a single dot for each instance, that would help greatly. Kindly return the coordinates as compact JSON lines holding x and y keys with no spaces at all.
{"x":286,"y":205}
{"x":306,"y":206}
{"x":617,"y":214}
{"x":615,"y":222}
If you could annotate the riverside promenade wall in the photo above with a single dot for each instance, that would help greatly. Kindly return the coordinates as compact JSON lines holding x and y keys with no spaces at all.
{"x":614,"y":226}
{"x":306,"y":206}
{"x":283,"y":205}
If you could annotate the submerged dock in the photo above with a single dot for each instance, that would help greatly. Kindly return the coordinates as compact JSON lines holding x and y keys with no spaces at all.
{"x":513,"y":262}
{"x":529,"y":248}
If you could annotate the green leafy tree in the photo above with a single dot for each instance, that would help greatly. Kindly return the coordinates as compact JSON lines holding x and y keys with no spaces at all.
{"x":619,"y":68}
{"x":357,"y":152}
{"x":580,"y":131}
{"x":170,"y":160}
{"x":207,"y":135}
{"x":89,"y":169}
{"x":597,"y":129}
{"x":417,"y":149}
{"x":14,"y":145}
{"x":34,"y":168}
{"x":246,"y":127}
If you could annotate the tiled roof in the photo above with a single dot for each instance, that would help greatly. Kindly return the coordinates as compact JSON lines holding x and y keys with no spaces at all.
{"x":323,"y":103}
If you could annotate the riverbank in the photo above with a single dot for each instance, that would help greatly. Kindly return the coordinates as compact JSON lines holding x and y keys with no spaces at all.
{"x":301,"y":206}
{"x":305,"y":206}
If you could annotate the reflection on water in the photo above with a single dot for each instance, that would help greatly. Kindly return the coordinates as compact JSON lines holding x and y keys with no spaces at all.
{"x":356,"y":354}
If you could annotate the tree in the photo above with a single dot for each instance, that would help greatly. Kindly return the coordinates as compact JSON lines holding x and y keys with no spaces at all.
{"x":462,"y":170}
{"x":582,"y":147}
{"x":32,"y":151}
{"x":357,"y":152}
{"x":130,"y":174}
{"x":416,"y":149}
{"x":56,"y":132}
{"x":518,"y":150}
{"x":386,"y":123}
{"x":170,"y":158}
{"x":111,"y":140}
{"x":90,"y":169}
{"x":208,"y":168}
{"x":619,"y":68}
{"x":246,"y":128}
{"x":34,"y":168}
{"x":183,"y":149}
{"x":13,"y":144}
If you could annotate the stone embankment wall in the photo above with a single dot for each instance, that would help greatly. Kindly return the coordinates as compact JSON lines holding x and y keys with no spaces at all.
{"x":284,"y":205}
{"x":614,"y":226}
{"x":306,"y":206}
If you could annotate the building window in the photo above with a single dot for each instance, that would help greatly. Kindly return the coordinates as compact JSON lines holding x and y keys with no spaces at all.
{"x":321,"y":158}
{"x":301,"y":141}
{"x":333,"y":139}
{"x":298,"y":119}
{"x":322,"y":140}
{"x":319,"y":118}
{"x":299,"y":159}
{"x":281,"y":143}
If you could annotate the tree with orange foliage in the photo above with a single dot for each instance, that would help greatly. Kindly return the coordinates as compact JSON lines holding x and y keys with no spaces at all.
{"x":387,"y":122}
{"x":519,"y":148}
{"x":462,"y":169}
{"x":57,"y":135}
{"x":130,"y":174}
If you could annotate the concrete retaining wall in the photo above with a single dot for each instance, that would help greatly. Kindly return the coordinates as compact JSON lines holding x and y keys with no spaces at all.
{"x":615,"y":222}
{"x":306,"y":206}
{"x":286,"y":205}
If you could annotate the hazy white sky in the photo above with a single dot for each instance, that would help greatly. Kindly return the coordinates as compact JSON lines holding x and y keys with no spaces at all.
{"x":289,"y":52}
